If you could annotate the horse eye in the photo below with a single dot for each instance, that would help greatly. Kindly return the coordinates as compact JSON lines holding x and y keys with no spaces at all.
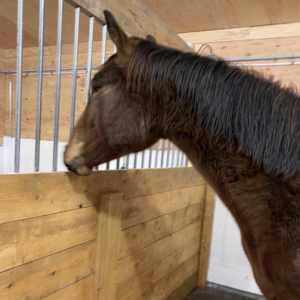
{"x":95,"y":89}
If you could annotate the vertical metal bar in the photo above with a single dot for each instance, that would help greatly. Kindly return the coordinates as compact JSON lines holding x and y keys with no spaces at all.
{"x":19,"y":84}
{"x":162,"y":154}
{"x":156,"y":156}
{"x":168,"y":153}
{"x":118,"y":164}
{"x":186,"y":161}
{"x":178,"y":156}
{"x":127,"y":161}
{"x":182,"y":159}
{"x":39,"y":86}
{"x":58,"y":76}
{"x":143,"y":159}
{"x":90,"y":60}
{"x":135,"y":161}
{"x":173,"y":156}
{"x":150,"y":157}
{"x":75,"y":65}
{"x":103,"y":54}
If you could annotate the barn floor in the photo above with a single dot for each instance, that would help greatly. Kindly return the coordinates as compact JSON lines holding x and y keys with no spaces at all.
{"x":211,"y":293}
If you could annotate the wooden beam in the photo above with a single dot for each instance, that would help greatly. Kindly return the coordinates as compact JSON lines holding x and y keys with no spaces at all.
{"x":206,"y":236}
{"x":135,"y":18}
{"x":242,"y":34}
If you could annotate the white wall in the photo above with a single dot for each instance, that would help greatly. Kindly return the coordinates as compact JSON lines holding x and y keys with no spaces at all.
{"x":27,"y":153}
{"x":229,"y":265}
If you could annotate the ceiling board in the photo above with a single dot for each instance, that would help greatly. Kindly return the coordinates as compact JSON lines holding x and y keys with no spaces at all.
{"x":181,"y":15}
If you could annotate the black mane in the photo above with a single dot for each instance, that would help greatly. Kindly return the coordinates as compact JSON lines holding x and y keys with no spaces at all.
{"x":242,"y":107}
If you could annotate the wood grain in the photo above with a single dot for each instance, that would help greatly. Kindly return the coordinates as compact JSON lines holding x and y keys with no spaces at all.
{"x":135,"y":18}
{"x":81,"y":290}
{"x":141,"y":285}
{"x":185,"y":288}
{"x":243,"y":33}
{"x":206,"y":236}
{"x":134,"y":265}
{"x":139,"y":236}
{"x":32,"y":239}
{"x":165,"y":287}
{"x":141,"y":209}
{"x":46,"y":276}
{"x":25,"y":196}
{"x":106,"y":265}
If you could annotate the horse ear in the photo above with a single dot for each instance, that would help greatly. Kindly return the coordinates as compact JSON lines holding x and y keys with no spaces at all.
{"x":151,"y":38}
{"x":116,"y":33}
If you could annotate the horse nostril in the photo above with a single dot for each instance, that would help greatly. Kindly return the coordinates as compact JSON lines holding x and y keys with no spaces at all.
{"x":73,"y":165}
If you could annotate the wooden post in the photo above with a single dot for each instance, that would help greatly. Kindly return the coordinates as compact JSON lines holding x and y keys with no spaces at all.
{"x":106,"y":262}
{"x":206,"y":236}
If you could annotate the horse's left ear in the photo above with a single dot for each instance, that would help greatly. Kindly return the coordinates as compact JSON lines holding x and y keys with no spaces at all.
{"x":151,"y":38}
{"x":118,"y":36}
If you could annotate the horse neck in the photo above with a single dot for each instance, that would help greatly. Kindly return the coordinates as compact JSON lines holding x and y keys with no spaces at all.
{"x":258,"y":201}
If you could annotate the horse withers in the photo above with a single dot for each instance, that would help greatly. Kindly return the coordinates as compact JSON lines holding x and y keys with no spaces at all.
{"x":239,"y":129}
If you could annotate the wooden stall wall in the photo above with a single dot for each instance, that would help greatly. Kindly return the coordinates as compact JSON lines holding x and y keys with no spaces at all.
{"x":29,"y":91}
{"x":2,"y":97}
{"x":134,"y":234}
{"x":255,"y":41}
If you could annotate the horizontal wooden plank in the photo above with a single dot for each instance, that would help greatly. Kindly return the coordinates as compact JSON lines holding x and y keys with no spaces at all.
{"x":135,"y":18}
{"x":134,"y":265}
{"x":46,"y":276}
{"x":81,"y":290}
{"x":243,"y":33}
{"x":32,"y":239}
{"x":165,"y":287}
{"x":139,"y":286}
{"x":25,"y":196}
{"x":185,"y":289}
{"x":139,"y":236}
{"x":145,"y":208}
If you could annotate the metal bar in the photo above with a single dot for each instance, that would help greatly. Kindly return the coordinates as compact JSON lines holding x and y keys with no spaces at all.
{"x":150,"y":157}
{"x":39,"y":86}
{"x":186,"y":161}
{"x":135,"y":161}
{"x":168,"y":153}
{"x":75,"y":65}
{"x":103,"y":54}
{"x":182,"y":159}
{"x":162,"y":154}
{"x":178,"y":156}
{"x":143,"y":159}
{"x":264,"y":57}
{"x":127,"y":161}
{"x":19,"y":84}
{"x":268,"y":64}
{"x":173,"y":156}
{"x":90,"y":60}
{"x":48,"y":70}
{"x":58,"y":76}
{"x":156,"y":156}
{"x":118,"y":164}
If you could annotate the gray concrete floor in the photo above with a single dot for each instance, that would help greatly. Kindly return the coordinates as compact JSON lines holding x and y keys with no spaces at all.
{"x":218,"y":294}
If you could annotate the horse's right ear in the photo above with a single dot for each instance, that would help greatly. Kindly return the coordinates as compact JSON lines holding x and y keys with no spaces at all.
{"x":116,"y":33}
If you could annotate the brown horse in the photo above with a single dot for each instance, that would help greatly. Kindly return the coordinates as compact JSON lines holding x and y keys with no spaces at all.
{"x":239,"y":129}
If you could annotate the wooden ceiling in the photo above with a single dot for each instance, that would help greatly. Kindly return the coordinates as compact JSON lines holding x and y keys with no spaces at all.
{"x":180,"y":15}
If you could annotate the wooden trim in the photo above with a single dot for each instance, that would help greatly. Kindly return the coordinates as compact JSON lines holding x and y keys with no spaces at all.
{"x":106,"y":262}
{"x":206,"y":236}
{"x":242,"y":34}
{"x":135,"y":18}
